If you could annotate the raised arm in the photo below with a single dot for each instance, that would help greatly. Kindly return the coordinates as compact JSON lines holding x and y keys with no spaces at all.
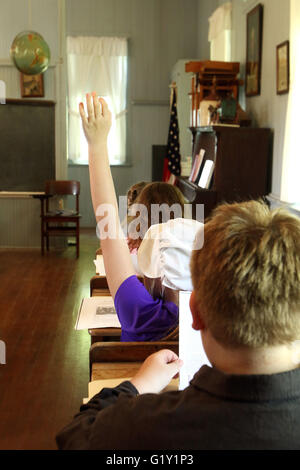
{"x":116,"y":255}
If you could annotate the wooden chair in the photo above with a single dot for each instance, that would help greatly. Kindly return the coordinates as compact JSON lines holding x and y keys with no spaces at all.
{"x":109,"y":360}
{"x":61,"y":222}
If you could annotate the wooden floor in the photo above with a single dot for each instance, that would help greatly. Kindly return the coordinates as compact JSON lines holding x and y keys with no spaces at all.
{"x":46,"y":373}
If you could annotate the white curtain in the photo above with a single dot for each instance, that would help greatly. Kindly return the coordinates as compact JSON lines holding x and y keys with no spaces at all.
{"x":219,"y":34}
{"x":97,"y":64}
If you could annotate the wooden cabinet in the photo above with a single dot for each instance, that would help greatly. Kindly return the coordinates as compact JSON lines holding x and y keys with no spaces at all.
{"x":242,"y":158}
{"x":222,"y":77}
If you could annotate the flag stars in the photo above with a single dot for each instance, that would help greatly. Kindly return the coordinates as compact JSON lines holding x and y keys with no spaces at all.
{"x":173,"y":150}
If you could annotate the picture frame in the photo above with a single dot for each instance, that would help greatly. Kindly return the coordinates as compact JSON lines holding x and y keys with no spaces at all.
{"x":32,"y":86}
{"x":254,"y":51}
{"x":283,"y":68}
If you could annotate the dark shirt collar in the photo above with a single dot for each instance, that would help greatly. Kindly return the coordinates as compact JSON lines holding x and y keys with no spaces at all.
{"x":258,"y":388}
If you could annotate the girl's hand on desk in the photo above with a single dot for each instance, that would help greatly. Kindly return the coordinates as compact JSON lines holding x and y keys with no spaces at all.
{"x":97,"y":124}
{"x":157,"y":372}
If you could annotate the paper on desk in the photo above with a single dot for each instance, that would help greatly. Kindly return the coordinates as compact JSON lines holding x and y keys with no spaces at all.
{"x":97,"y":312}
{"x":191,"y":349}
{"x":97,"y":385}
{"x":99,"y":263}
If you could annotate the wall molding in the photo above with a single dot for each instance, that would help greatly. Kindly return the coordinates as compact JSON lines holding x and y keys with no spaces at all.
{"x":150,"y":102}
{"x":9,"y":63}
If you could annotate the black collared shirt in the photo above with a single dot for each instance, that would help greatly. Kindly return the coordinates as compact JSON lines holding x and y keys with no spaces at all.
{"x":217,"y":411}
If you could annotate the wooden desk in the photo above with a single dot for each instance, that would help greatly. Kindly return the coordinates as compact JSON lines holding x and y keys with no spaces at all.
{"x":104,"y":334}
{"x":123,"y":359}
{"x":99,"y":287}
{"x":95,"y":386}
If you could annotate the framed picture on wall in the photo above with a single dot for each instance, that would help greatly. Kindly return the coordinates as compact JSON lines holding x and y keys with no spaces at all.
{"x":282,"y":67}
{"x":254,"y":50}
{"x":32,"y":86}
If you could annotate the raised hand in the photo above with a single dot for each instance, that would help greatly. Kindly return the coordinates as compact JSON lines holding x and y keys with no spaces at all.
{"x":97,"y":123}
{"x":157,"y":371}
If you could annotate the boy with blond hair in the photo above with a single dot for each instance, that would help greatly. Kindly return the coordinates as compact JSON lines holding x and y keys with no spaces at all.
{"x":246,"y":305}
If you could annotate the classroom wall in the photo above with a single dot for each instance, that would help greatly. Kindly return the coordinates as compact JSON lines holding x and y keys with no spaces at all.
{"x":21,"y":217}
{"x":268,"y":109}
{"x":159,"y":34}
{"x":205,"y":10}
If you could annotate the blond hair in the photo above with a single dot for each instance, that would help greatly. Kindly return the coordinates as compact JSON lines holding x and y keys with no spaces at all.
{"x":247,"y":275}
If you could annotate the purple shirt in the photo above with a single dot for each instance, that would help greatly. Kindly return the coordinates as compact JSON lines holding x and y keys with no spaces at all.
{"x":141,"y":317}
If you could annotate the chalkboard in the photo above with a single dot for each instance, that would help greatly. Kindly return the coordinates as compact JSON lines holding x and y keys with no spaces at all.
{"x":27,"y":144}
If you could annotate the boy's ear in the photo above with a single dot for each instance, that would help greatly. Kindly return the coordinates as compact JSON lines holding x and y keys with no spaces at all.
{"x":198,"y":323}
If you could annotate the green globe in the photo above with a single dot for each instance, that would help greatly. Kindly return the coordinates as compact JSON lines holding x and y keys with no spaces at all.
{"x":30,"y":53}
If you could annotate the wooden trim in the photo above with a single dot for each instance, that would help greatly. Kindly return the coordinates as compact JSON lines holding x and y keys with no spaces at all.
{"x":259,"y":11}
{"x":21,"y":194}
{"x":287,"y":88}
{"x":114,"y":370}
{"x":40,"y":78}
{"x":29,"y":102}
{"x":110,"y":351}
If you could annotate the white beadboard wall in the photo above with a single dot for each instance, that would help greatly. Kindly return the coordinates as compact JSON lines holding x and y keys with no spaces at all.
{"x":20,"y":223}
{"x":160,"y":33}
{"x":20,"y":217}
{"x":268,"y":109}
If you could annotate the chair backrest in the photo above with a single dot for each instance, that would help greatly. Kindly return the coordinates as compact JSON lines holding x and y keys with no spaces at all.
{"x":62,"y":187}
{"x":173,"y":335}
{"x":128,"y":351}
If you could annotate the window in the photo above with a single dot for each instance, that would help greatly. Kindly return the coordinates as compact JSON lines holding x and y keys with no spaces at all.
{"x":219,"y":34}
{"x":97,"y":64}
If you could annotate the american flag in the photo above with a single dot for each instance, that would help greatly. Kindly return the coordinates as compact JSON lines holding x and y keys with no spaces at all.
{"x":172,"y":159}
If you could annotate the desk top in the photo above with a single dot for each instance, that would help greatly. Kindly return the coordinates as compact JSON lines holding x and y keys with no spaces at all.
{"x":95,"y":386}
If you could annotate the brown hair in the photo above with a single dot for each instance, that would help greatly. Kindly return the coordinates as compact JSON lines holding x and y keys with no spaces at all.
{"x":134,"y":191}
{"x":247,"y":275}
{"x":157,"y":193}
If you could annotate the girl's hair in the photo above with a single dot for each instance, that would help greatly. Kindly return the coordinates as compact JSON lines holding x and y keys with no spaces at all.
{"x":164,"y":199}
{"x":134,"y":191}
